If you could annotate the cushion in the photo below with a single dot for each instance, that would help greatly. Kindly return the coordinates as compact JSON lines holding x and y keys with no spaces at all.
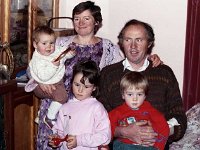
{"x":191,"y":139}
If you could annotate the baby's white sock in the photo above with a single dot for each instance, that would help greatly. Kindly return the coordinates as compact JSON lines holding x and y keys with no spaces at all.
{"x":53,"y":109}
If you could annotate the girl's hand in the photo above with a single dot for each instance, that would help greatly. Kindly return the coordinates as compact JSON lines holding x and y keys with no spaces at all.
{"x":155,"y":60}
{"x":71,"y":141}
{"x":51,"y":142}
{"x":103,"y":147}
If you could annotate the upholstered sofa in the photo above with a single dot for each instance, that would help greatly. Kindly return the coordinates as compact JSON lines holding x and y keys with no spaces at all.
{"x":191,"y":139}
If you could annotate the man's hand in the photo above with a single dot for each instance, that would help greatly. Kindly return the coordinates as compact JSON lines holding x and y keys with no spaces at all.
{"x":148,"y":135}
{"x":139,"y":132}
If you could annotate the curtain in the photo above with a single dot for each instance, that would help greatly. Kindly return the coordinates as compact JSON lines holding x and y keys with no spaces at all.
{"x":191,"y":83}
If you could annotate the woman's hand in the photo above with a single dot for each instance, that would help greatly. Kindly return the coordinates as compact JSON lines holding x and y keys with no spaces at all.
{"x":71,"y":141}
{"x":47,"y":88}
{"x":139,"y":132}
{"x":155,"y":60}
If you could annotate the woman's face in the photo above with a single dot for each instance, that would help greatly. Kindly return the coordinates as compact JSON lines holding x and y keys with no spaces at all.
{"x":84,"y":23}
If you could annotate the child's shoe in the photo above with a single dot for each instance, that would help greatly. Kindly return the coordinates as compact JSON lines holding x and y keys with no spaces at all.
{"x":49,"y":122}
{"x":36,"y":120}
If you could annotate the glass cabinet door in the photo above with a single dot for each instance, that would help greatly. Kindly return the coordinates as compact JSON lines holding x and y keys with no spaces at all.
{"x":18,"y":31}
{"x":18,"y":20}
{"x":24,"y":17}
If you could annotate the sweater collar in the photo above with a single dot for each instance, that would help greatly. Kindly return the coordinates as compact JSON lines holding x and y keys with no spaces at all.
{"x":127,"y":65}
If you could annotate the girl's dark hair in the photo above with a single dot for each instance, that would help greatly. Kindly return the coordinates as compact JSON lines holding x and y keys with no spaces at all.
{"x":90,"y":71}
{"x":147,"y":27}
{"x":94,"y":9}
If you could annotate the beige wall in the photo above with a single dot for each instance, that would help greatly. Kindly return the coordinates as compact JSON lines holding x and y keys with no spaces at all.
{"x":167,"y":17}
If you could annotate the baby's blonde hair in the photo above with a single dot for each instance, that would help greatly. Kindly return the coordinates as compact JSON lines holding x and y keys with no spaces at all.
{"x":134,"y":79}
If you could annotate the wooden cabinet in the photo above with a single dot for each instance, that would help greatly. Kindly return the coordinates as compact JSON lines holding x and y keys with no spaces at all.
{"x":18,"y":19}
{"x":19,"y":114}
{"x":24,"y":113}
{"x":6,"y":92}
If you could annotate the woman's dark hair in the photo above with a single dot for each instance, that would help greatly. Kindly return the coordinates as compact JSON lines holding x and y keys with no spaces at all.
{"x":94,"y":9}
{"x":90,"y":71}
{"x":147,"y":27}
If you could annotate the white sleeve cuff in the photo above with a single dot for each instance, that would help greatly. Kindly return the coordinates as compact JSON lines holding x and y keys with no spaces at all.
{"x":172,"y":122}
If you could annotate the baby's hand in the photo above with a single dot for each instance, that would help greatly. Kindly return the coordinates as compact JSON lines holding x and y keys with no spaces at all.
{"x":71,"y":53}
{"x":68,"y":53}
{"x":71,"y":142}
{"x":56,"y":63}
